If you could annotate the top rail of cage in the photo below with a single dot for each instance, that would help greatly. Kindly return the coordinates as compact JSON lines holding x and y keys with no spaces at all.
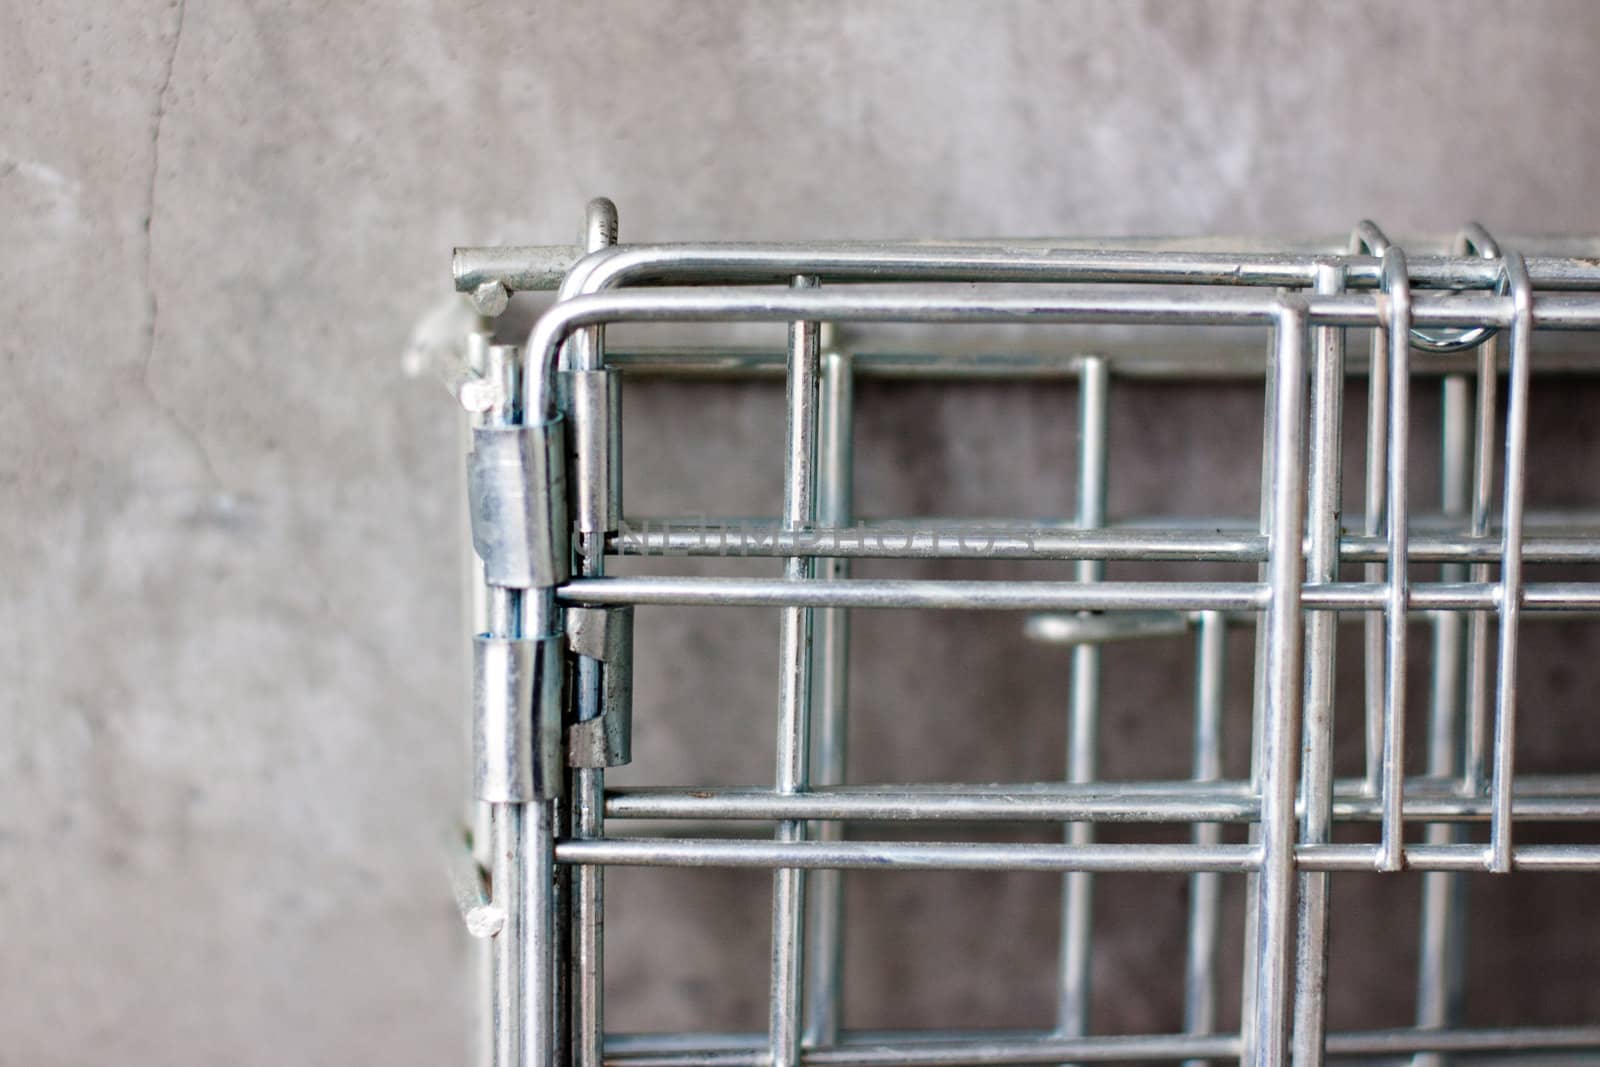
{"x":1553,"y":262}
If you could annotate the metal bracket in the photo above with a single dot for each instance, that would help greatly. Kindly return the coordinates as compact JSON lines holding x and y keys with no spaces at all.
{"x":604,"y":634}
{"x":516,"y":718}
{"x":516,"y":489}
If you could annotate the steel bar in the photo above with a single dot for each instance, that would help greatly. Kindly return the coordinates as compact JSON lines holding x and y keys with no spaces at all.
{"x":1511,"y":586}
{"x":1280,"y":742}
{"x":1536,"y":800}
{"x":907,"y":855}
{"x":1205,"y":888}
{"x":1441,"y":919}
{"x":1456,"y":697}
{"x":825,"y":889}
{"x":541,"y":954}
{"x":1321,"y":631}
{"x":1566,"y":858}
{"x":508,"y":831}
{"x":1258,"y":710}
{"x":588,"y":783}
{"x":1180,"y":307}
{"x":991,"y":539}
{"x":794,"y":690}
{"x":936,"y":1053}
{"x":1083,"y":709}
{"x":1098,"y":857}
{"x":475,"y":609}
{"x":1058,"y":596}
{"x":913,"y":1048}
{"x":1397,"y":332}
{"x":1231,"y":261}
{"x":1193,"y":358}
{"x":507,"y":848}
{"x":1483,"y":445}
{"x":516,"y":267}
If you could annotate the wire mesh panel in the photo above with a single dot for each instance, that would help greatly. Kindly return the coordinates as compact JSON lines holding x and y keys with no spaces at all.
{"x":1330,"y":547}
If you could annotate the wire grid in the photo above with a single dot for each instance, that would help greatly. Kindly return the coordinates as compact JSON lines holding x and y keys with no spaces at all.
{"x":1469,"y":317}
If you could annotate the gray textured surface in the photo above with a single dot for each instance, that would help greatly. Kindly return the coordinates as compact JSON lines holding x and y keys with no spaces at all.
{"x":229,"y":597}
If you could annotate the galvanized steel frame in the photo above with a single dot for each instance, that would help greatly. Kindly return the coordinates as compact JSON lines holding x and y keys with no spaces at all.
{"x":544,"y":847}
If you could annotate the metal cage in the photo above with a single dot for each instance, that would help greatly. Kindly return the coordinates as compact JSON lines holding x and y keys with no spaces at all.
{"x":552,"y":680}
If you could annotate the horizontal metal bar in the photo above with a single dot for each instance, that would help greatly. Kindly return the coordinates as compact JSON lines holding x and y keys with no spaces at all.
{"x":1195,"y":357}
{"x":1135,"y":802}
{"x":1067,"y":803}
{"x":891,"y":593}
{"x":914,"y":1048}
{"x":1178,"y":307}
{"x":904,"y":855}
{"x":1179,"y":261}
{"x":1097,"y":857}
{"x":1570,"y":858}
{"x":1055,"y":596}
{"x":976,"y":539}
{"x":954,"y":1053}
{"x":1500,"y":1039}
{"x":517,"y":267}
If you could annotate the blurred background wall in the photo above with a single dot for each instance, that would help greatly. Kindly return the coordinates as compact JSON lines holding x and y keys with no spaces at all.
{"x":230,"y":606}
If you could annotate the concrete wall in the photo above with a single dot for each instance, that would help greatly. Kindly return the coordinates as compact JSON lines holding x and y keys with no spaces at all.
{"x":230,"y":598}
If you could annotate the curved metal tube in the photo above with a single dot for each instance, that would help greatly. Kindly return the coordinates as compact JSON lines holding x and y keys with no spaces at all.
{"x":1125,"y":308}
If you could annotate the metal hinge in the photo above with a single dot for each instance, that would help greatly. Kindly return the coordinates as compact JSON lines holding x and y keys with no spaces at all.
{"x":516,"y":717}
{"x":606,"y":635}
{"x":516,"y":492}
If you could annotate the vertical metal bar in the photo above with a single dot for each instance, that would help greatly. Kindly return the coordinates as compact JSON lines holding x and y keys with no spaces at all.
{"x":535,"y":615}
{"x":599,"y":231}
{"x":1475,"y":238}
{"x":475,"y":608}
{"x":588,"y":784}
{"x":825,"y":888}
{"x":1439,"y":955}
{"x":1373,"y":521}
{"x":539,"y":971}
{"x":1478,"y":625}
{"x":1258,"y":693}
{"x":1511,"y":562}
{"x":1269,"y":1005}
{"x":1397,"y":290}
{"x":794,"y":690}
{"x":506,"y":843}
{"x":540,"y":952}
{"x":1368,"y":239}
{"x":579,"y":894}
{"x":1205,"y":888}
{"x":1322,"y":565}
{"x":1083,"y":707}
{"x":507,"y":829}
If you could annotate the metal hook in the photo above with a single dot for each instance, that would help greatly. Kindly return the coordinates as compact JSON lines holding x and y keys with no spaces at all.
{"x":1472,"y":240}
{"x":1368,"y":239}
